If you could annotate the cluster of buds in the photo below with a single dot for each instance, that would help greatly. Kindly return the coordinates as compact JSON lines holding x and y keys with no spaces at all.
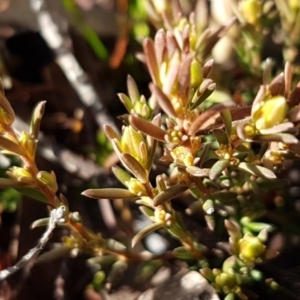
{"x":239,"y":269}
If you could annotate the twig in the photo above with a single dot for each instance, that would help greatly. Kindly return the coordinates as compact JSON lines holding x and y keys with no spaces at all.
{"x":57,"y":215}
{"x":59,"y":41}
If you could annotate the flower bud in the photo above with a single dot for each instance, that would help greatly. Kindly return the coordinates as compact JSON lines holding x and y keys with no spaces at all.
{"x":251,"y":10}
{"x":251,"y":248}
{"x":270,"y":113}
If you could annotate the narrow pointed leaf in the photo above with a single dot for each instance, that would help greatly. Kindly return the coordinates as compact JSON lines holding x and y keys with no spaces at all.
{"x":40,"y":223}
{"x":205,"y":90}
{"x":277,"y":128}
{"x":168,"y":194}
{"x":279,"y":137}
{"x":148,"y":212}
{"x":133,"y":90}
{"x":147,"y":128}
{"x":201,"y":122}
{"x":109,"y":193}
{"x":32,"y":193}
{"x":197,"y":172}
{"x":121,"y":174}
{"x":134,"y":167}
{"x":36,"y":119}
{"x":218,"y":168}
{"x":126,"y":101}
{"x":10,"y":146}
{"x":5,"y":105}
{"x":221,"y":136}
{"x":11,"y":183}
{"x":151,"y":155}
{"x":159,"y":45}
{"x":227,"y":119}
{"x":145,"y":231}
{"x":163,"y":101}
{"x":151,"y":61}
{"x":256,"y":170}
{"x":110,"y":132}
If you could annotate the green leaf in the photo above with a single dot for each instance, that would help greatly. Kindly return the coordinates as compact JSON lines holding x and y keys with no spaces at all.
{"x":221,"y":136}
{"x":256,"y":170}
{"x":206,"y":88}
{"x":33,"y":193}
{"x":126,"y":101}
{"x":182,"y":253}
{"x":121,"y":174}
{"x":218,"y":168}
{"x":109,"y":193}
{"x":227,"y":119}
{"x":133,"y":90}
{"x":168,"y":194}
{"x":148,"y":212}
{"x":145,"y":231}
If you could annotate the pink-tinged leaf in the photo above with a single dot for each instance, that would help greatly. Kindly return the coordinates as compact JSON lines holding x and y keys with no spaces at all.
{"x":170,"y":79}
{"x":163,"y":100}
{"x":259,"y":97}
{"x":294,"y":98}
{"x":133,"y":166}
{"x":160,"y":45}
{"x":276,"y":87}
{"x":168,"y":194}
{"x":197,"y":172}
{"x":144,"y":232}
{"x":218,"y":168}
{"x":277,"y":128}
{"x":184,"y":73}
{"x":256,"y":170}
{"x":201,"y":122}
{"x":215,"y":37}
{"x":147,"y":128}
{"x":294,"y":114}
{"x":207,"y":67}
{"x":279,"y":137}
{"x":287,"y":79}
{"x":110,"y":132}
{"x":109,"y":193}
{"x":172,"y":44}
{"x":151,"y":61}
